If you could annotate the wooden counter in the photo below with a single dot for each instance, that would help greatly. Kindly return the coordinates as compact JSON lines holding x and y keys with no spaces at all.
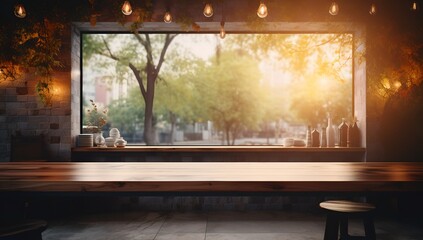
{"x":211,"y":177}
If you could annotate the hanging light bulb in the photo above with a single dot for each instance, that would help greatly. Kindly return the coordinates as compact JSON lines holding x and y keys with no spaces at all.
{"x":414,"y":6}
{"x":372,"y":9}
{"x":334,"y":9}
{"x":20,"y":11}
{"x":208,"y":10}
{"x":222,"y":30}
{"x":262,"y":10}
{"x":127,"y":8}
{"x":167,"y":17}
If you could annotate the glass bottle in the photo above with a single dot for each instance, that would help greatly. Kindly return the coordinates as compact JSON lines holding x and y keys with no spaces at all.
{"x":353,"y":139}
{"x":308,"y":137}
{"x":343,"y":132}
{"x":99,"y":139}
{"x":323,"y":138}
{"x":315,"y":138}
{"x":330,"y":134}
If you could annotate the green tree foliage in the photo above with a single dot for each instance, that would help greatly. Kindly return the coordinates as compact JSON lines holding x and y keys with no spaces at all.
{"x":141,"y":54}
{"x":175,"y":93}
{"x":128,"y":114}
{"x":228,"y":94}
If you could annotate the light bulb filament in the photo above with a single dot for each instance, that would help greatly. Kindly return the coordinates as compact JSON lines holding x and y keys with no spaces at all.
{"x":414,"y":6}
{"x":262,"y":10}
{"x":372,"y":9}
{"x":208,"y":10}
{"x":126,"y":8}
{"x":167,"y":17}
{"x":334,"y":8}
{"x":20,"y":11}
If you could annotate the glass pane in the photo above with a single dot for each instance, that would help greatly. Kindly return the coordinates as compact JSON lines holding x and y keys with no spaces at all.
{"x":245,"y":89}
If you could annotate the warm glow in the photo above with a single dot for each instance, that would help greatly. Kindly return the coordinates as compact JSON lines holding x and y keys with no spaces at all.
{"x":334,"y":9}
{"x":262,"y":10}
{"x":222,"y":30}
{"x":126,"y":8}
{"x":208,"y":10}
{"x":167,"y":17}
{"x":397,"y":85}
{"x":386,"y":83}
{"x":20,"y":11}
{"x":372,"y":9}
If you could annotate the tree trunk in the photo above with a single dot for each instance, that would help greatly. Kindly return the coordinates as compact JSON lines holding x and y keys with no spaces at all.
{"x":172,"y":126}
{"x":149,"y":136}
{"x":228,"y":137}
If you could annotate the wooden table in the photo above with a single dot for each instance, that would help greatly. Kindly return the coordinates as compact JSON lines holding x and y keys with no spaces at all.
{"x":211,"y":177}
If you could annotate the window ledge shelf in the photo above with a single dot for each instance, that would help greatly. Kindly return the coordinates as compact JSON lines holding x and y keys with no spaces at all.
{"x":256,"y":148}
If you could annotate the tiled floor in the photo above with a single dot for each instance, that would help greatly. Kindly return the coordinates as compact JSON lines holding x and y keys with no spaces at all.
{"x":217,"y":225}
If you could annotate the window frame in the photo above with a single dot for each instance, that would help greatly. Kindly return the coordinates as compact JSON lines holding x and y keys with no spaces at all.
{"x":358,"y":32}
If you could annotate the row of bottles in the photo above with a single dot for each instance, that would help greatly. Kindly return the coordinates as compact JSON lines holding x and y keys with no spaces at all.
{"x":347,"y":135}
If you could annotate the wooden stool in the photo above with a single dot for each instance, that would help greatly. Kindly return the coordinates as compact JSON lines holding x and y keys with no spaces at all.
{"x":24,"y":230}
{"x":337,"y":219}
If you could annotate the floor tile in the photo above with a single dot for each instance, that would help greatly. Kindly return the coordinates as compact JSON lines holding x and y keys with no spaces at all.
{"x":180,"y":236}
{"x":185,"y":223}
{"x":261,"y":236}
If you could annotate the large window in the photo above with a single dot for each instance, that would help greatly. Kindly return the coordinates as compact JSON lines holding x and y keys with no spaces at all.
{"x":199,"y":89}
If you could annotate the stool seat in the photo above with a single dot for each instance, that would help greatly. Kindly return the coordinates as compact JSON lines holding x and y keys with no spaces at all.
{"x":22,"y":230}
{"x":346,"y":206}
{"x":338,"y":213}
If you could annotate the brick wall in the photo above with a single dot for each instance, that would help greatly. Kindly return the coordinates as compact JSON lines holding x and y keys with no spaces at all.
{"x":21,"y":112}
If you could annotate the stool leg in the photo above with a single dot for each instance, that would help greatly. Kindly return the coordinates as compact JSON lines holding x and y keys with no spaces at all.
{"x":369,"y":228}
{"x":343,"y":228}
{"x":332,"y":227}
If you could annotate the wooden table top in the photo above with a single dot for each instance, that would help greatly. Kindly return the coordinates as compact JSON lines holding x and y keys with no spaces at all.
{"x":211,"y":177}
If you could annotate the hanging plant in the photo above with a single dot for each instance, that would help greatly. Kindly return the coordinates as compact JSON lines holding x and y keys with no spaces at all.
{"x":44,"y":90}
{"x":38,"y":47}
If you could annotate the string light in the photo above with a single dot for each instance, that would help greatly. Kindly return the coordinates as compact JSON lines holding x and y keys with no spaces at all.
{"x":222,"y":30}
{"x":372,"y":9}
{"x":20,"y":11}
{"x":127,"y":8}
{"x":208,"y":10}
{"x":262,"y":10}
{"x":167,"y":17}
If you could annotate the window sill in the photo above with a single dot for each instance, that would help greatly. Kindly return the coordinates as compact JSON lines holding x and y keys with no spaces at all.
{"x":256,"y":148}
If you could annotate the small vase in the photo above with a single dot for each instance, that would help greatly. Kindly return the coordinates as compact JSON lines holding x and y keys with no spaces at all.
{"x":99,"y":139}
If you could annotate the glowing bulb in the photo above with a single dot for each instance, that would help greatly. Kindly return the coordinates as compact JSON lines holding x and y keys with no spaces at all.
{"x":262,"y":10}
{"x":208,"y":10}
{"x":397,"y":84}
{"x":167,"y":17}
{"x":20,"y":11}
{"x":414,"y":6}
{"x":126,"y":8}
{"x":372,"y":9}
{"x":334,"y":9}
{"x":222,"y":30}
